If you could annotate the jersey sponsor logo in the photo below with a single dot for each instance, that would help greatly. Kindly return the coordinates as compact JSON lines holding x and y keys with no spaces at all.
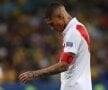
{"x":69,"y":44}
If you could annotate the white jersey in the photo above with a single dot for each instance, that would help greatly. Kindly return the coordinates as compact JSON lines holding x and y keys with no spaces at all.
{"x":76,"y":41}
{"x":1,"y":73}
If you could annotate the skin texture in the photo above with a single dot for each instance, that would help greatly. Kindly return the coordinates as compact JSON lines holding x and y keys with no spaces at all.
{"x":54,"y":69}
{"x":57,"y":22}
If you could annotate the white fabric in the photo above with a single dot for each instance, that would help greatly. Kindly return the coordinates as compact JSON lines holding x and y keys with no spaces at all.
{"x":1,"y":72}
{"x":78,"y":76}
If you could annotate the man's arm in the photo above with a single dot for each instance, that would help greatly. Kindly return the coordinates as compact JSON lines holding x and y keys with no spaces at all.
{"x":54,"y":69}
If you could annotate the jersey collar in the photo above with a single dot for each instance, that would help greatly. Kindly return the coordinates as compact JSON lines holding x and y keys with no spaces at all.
{"x":70,"y":24}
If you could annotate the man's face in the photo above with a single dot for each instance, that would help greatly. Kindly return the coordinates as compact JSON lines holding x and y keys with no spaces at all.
{"x":56,"y":23}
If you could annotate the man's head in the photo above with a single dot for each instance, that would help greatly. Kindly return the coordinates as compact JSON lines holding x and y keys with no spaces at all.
{"x":56,"y":16}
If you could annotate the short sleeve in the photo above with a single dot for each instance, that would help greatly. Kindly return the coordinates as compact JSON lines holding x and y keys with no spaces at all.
{"x":72,"y":42}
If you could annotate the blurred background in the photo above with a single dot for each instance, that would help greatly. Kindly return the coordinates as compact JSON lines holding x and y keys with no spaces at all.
{"x":27,"y":43}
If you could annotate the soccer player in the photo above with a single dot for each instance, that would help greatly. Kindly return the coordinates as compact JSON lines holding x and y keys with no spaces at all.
{"x":74,"y":63}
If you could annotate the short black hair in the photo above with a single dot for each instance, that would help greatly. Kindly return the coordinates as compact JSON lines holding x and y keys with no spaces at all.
{"x":51,"y":8}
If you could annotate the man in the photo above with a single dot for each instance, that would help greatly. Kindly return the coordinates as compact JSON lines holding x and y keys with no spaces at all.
{"x":74,"y":64}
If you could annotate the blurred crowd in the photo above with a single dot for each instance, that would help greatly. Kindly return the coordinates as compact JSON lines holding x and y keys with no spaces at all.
{"x":27,"y":43}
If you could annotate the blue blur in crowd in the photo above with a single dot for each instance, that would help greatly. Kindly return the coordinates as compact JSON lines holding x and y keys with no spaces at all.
{"x":33,"y":85}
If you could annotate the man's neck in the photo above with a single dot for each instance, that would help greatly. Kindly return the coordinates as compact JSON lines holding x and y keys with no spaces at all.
{"x":68,"y":20}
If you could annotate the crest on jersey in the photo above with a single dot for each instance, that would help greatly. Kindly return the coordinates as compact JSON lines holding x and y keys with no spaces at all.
{"x":69,"y":44}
